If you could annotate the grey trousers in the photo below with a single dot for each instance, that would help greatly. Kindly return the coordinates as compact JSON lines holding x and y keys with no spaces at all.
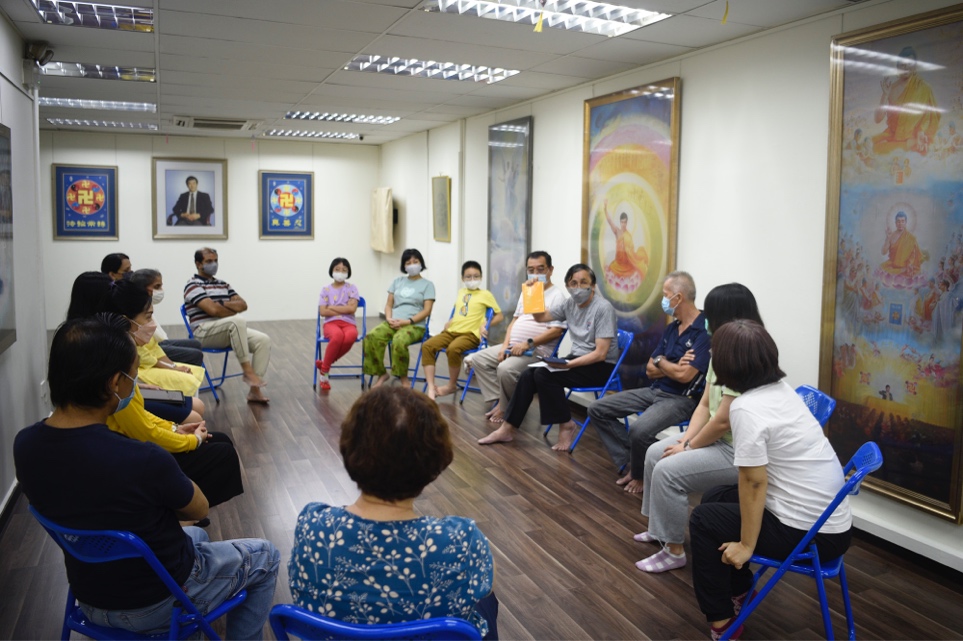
{"x":249,"y":345}
{"x":660,"y":410}
{"x":669,"y":481}
{"x":497,"y":380}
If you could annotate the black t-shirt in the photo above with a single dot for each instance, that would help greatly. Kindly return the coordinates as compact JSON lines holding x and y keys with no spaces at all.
{"x":90,"y":478}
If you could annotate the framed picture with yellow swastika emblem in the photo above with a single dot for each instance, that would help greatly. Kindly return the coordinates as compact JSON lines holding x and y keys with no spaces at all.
{"x":286,"y":201}
{"x":85,"y":202}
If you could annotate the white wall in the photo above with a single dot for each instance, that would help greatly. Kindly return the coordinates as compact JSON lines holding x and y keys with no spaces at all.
{"x":23,"y":366}
{"x":280,"y":279}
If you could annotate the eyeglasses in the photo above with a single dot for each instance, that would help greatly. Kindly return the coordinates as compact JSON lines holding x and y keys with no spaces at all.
{"x":463,"y":310}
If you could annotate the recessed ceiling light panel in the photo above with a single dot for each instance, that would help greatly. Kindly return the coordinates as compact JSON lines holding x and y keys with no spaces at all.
{"x":335,"y":117}
{"x":96,"y":16}
{"x":101,"y":105}
{"x":72,"y":122}
{"x":395,"y":66}
{"x":294,"y":133}
{"x":102,"y":72}
{"x":573,"y":15}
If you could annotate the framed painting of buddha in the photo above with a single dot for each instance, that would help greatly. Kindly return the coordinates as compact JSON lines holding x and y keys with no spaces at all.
{"x":893,"y":301}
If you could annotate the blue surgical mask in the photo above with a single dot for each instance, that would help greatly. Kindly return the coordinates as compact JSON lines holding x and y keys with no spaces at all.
{"x":579,"y":295}
{"x":210,"y":269}
{"x":708,"y":331}
{"x":539,"y":277}
{"x":669,"y":311}
{"x":124,"y":402}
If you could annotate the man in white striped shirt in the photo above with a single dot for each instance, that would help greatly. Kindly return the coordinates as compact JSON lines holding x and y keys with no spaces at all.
{"x":498,"y":367}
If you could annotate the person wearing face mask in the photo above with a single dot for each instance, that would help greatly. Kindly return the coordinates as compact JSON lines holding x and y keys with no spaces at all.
{"x":134,"y":303}
{"x":497,"y":368}
{"x":214,"y":312}
{"x":81,"y":475}
{"x":180,"y":350}
{"x":677,"y":369}
{"x":463,"y":331}
{"x":337,"y":305}
{"x":410,"y":299}
{"x":595,"y":350}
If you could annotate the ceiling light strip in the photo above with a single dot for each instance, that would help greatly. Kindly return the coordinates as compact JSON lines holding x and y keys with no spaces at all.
{"x":101,"y":72}
{"x":336,"y":117}
{"x":598,"y":18}
{"x":393,"y":65}
{"x":96,"y":16}
{"x":73,"y":122}
{"x":295,"y":133}
{"x":100,"y":105}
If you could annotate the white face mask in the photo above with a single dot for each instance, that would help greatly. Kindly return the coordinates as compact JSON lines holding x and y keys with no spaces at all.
{"x":413,"y":269}
{"x":157,"y":296}
{"x":472,"y":284}
{"x":340,"y":276}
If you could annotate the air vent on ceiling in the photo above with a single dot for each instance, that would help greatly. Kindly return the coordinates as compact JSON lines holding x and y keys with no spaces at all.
{"x":221,"y":124}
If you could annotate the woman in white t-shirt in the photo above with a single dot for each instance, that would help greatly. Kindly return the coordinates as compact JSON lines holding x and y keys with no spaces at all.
{"x":788,"y":474}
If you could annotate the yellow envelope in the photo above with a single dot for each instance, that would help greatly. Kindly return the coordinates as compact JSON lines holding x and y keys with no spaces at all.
{"x":533,"y":298}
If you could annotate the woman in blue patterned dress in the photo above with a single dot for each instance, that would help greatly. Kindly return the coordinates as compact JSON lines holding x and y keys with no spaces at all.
{"x":376,"y":560}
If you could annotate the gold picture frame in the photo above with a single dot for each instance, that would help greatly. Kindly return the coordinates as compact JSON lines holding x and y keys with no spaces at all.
{"x":441,"y":208}
{"x":890,"y":340}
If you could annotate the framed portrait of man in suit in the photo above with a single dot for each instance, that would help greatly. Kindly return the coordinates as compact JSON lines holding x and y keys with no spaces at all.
{"x":190,"y":198}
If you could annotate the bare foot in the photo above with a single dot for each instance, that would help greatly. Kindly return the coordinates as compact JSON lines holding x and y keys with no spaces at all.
{"x":381,"y":381}
{"x":253,"y":380}
{"x":625,"y":479}
{"x":432,"y":392}
{"x":257,"y":397}
{"x":495,"y":416}
{"x":404,"y":382}
{"x":566,"y":434}
{"x":503,"y":434}
{"x":634,"y":486}
{"x":444,"y":390}
{"x":489,"y":413}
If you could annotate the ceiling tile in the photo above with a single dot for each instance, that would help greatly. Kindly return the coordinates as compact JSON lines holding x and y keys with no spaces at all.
{"x":215,"y":66}
{"x":230,"y":53}
{"x":690,"y":31}
{"x":767,"y":13}
{"x":584,"y":67}
{"x":633,"y":52}
{"x":330,"y":14}
{"x":463,"y":53}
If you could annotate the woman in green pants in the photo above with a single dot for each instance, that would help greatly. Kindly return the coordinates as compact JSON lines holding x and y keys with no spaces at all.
{"x":410,"y":298}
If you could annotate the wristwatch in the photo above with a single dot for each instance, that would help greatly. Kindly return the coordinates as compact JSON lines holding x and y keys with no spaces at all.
{"x":686,"y":445}
{"x":657,"y":360}
{"x":531,"y":343}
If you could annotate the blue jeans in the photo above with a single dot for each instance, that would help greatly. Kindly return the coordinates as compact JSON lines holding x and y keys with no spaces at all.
{"x":221,"y":569}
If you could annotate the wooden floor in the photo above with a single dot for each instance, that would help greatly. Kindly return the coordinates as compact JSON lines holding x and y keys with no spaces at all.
{"x":560,"y":529}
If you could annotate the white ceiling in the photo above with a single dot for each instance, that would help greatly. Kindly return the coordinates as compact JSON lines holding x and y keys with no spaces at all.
{"x":259,"y":59}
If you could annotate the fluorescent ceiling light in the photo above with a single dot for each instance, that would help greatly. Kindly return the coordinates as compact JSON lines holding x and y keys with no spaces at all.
{"x":330,"y":117}
{"x":294,"y":133}
{"x":97,"y":16}
{"x":573,"y":15}
{"x":102,"y":72}
{"x":72,"y":122}
{"x":102,"y":105}
{"x":428,"y":69}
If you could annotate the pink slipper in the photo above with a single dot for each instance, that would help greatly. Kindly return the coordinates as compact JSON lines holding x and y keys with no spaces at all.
{"x":661,"y":561}
{"x":716,"y":633}
{"x":645,"y":537}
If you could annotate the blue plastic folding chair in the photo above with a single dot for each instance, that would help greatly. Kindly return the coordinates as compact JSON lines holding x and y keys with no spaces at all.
{"x":820,"y":404}
{"x":613,"y":384}
{"x":471,"y":370}
{"x":483,"y":344}
{"x":805,"y":557}
{"x":212,"y":383}
{"x":291,"y":620}
{"x":354,"y":371}
{"x":102,"y":546}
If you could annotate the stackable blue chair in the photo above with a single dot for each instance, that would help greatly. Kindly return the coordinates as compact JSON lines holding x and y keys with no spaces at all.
{"x":804,"y":559}
{"x":483,"y":344}
{"x":291,"y":620}
{"x":102,"y":546}
{"x":471,"y":371}
{"x":354,"y":371}
{"x":613,"y":384}
{"x":212,"y":383}
{"x":820,"y":404}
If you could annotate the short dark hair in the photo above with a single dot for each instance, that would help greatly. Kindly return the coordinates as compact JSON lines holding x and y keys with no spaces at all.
{"x":145,"y":277}
{"x":199,"y":254}
{"x":469,"y":264}
{"x":127,"y":299}
{"x":87,"y":294}
{"x":409,"y":254}
{"x":727,"y":303}
{"x":395,"y":442}
{"x":744,"y":356}
{"x":623,"y":216}
{"x":540,"y":254}
{"x":190,"y":178}
{"x":85,"y":354}
{"x":335,"y":263}
{"x":579,"y":267}
{"x":112,"y":263}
